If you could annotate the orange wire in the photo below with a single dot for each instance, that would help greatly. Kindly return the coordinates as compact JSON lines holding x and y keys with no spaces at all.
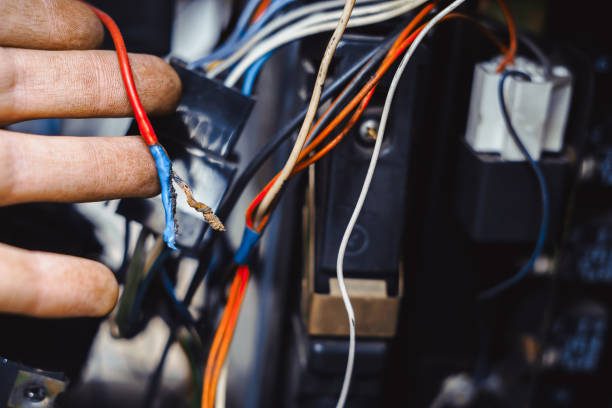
{"x":243,"y":272}
{"x":413,"y":23}
{"x":398,"y":47}
{"x":260,"y":10}
{"x":219,"y":334}
{"x":351,"y":105}
{"x":314,"y":158}
{"x":509,"y":59}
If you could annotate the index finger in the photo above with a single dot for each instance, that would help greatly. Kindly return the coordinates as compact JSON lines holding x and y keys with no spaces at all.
{"x":49,"y":25}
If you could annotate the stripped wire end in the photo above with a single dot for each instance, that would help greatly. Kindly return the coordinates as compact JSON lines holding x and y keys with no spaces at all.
{"x":209,"y":216}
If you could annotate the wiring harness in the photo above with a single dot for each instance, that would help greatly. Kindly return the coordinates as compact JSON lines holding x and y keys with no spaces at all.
{"x":258,"y":33}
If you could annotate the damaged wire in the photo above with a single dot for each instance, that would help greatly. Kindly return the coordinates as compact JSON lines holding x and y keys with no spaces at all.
{"x":208,"y":213}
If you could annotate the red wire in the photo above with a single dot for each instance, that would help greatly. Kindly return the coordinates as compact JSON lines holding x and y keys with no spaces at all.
{"x":146,"y":130}
{"x":394,"y":54}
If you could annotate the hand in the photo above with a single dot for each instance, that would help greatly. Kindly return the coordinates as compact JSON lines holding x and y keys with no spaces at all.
{"x":52,"y":71}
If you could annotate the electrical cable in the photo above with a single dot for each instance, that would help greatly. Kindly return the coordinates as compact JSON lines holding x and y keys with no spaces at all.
{"x":217,"y":340}
{"x":509,"y":59}
{"x":362,"y":67}
{"x":261,"y":9}
{"x":257,"y":31}
{"x":223,"y":336}
{"x":397,"y":50}
{"x":288,"y":35}
{"x":251,"y":74}
{"x":545,"y":201}
{"x":314,"y":17}
{"x":226,"y":49}
{"x":221,"y":388}
{"x":364,"y":192}
{"x":528,"y":42}
{"x":255,"y":26}
{"x":178,"y":306}
{"x":154,"y":381}
{"x":312,"y":109}
{"x":162,"y":161}
{"x":305,"y":162}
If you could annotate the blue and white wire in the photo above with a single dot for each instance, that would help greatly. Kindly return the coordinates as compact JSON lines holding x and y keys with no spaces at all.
{"x":226,"y":49}
{"x":325,"y":22}
{"x":251,"y":75}
{"x":545,"y":200}
{"x":290,"y":34}
{"x":364,"y":192}
{"x":275,"y":7}
{"x":309,"y":11}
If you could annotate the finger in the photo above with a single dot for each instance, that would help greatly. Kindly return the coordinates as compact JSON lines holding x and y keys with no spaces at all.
{"x":73,"y":169}
{"x":69,"y":84}
{"x":50,"y":285}
{"x":49,"y":25}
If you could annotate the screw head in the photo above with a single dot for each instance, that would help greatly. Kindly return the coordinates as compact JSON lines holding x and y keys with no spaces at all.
{"x":35,"y":393}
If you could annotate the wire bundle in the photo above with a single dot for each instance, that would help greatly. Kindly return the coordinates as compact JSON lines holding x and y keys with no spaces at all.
{"x":250,"y":45}
{"x":223,"y":336}
{"x":257,"y":214}
{"x":357,"y":105}
{"x":266,"y":35}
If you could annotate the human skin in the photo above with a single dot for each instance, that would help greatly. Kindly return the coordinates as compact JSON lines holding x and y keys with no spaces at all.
{"x":49,"y":68}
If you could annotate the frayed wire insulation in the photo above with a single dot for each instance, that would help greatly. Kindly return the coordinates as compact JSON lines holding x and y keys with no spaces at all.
{"x":209,"y":216}
{"x":164,"y":171}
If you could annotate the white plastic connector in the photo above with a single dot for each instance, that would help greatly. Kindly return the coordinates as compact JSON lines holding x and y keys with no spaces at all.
{"x":538,"y":110}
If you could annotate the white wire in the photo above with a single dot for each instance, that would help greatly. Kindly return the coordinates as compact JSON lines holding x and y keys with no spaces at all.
{"x":287,"y":35}
{"x":221,"y":392}
{"x":314,"y":17}
{"x":364,"y":192}
{"x":311,"y":112}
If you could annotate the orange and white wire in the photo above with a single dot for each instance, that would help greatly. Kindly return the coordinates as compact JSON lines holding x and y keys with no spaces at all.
{"x":310,"y":113}
{"x":223,"y":337}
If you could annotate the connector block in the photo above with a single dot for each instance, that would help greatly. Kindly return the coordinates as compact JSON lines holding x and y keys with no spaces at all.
{"x":538,"y":110}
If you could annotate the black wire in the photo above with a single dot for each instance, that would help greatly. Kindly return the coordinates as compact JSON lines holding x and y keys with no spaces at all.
{"x":360,"y":70}
{"x":495,"y":291}
{"x":126,"y":249}
{"x":155,"y":379}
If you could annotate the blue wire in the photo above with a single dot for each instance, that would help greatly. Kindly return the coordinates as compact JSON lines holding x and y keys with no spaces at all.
{"x":489,"y":293}
{"x":232,"y":41}
{"x":238,"y":37}
{"x":251,"y":74}
{"x":178,"y":305}
{"x":164,"y":171}
{"x":273,"y":8}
